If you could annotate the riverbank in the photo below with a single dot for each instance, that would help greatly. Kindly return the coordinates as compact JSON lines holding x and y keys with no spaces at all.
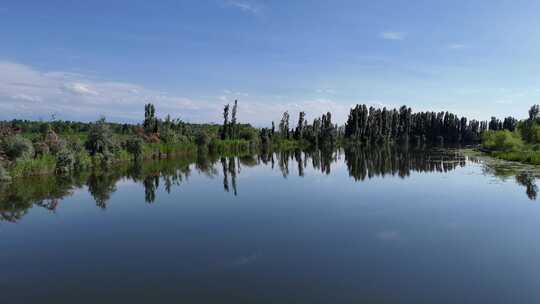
{"x":48,"y":164}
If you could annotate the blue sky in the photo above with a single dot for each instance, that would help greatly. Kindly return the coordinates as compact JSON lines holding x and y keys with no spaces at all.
{"x":83,"y":59}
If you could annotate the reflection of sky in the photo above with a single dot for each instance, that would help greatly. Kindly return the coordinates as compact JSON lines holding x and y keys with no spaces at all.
{"x":432,"y":234}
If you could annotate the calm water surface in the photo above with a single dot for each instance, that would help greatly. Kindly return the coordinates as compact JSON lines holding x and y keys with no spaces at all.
{"x":380,"y":226}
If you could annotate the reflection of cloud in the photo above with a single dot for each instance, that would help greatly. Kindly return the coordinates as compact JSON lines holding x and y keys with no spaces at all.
{"x":245,"y":260}
{"x":388,"y":235}
{"x":392,"y":35}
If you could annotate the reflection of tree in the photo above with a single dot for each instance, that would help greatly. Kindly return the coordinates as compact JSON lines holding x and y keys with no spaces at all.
{"x":232,"y":171}
{"x":101,"y":186}
{"x":225,"y":174}
{"x":248,"y":160}
{"x":43,"y":191}
{"x":205,"y":163}
{"x":229,"y":169}
{"x":523,"y":174}
{"x":369,"y":162}
{"x":527,"y":179}
{"x":283,"y":162}
{"x":299,"y":161}
{"x":151,"y":184}
{"x":17,"y":197}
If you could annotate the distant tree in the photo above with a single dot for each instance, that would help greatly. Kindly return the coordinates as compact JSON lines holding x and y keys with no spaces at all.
{"x":234,"y":127}
{"x":298,"y":133}
{"x":375,"y":125}
{"x":150,"y":122}
{"x":510,"y":123}
{"x":225,"y":129}
{"x":284,"y":125}
{"x":534,"y":113}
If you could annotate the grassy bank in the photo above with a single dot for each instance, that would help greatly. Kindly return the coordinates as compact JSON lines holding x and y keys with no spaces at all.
{"x":48,"y":163}
{"x":526,"y":156}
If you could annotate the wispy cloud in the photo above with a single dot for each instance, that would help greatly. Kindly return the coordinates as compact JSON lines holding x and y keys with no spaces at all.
{"x":80,"y":89}
{"x":235,"y":93}
{"x":326,"y":91}
{"x":245,"y":6}
{"x":26,"y":92}
{"x":392,"y":35}
{"x":456,"y":46}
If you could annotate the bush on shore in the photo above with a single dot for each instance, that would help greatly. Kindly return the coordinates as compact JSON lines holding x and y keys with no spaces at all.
{"x":502,"y":140}
{"x":17,"y":147}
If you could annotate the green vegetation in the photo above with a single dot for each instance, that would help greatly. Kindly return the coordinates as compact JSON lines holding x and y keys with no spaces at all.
{"x":64,"y":147}
{"x":520,"y":142}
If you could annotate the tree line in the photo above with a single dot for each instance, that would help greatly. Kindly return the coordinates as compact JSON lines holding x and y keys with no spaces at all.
{"x":382,"y":125}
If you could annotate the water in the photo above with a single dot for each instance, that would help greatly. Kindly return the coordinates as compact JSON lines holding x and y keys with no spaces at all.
{"x":377,"y":226}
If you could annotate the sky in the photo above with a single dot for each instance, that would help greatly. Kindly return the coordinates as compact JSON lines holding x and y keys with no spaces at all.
{"x":80,"y":60}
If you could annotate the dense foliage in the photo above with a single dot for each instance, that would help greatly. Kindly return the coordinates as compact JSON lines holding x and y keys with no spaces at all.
{"x":376,"y":125}
{"x":515,"y":140}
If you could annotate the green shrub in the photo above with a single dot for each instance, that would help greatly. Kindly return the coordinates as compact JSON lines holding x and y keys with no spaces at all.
{"x":45,"y":164}
{"x":135,"y":146}
{"x":203,"y":139}
{"x":41,"y":148}
{"x":64,"y":161}
{"x":82,"y":160}
{"x":248,"y":134}
{"x":4,"y":176}
{"x":100,"y":140}
{"x":17,"y":147}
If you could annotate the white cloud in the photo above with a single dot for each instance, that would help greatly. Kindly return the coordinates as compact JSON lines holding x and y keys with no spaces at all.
{"x":80,"y":89}
{"x":326,"y":91}
{"x":29,"y":93}
{"x":245,"y":6}
{"x":25,"y":97}
{"x":392,"y":35}
{"x":235,"y":93}
{"x":504,"y":101}
{"x":265,"y":112}
{"x":26,"y":92}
